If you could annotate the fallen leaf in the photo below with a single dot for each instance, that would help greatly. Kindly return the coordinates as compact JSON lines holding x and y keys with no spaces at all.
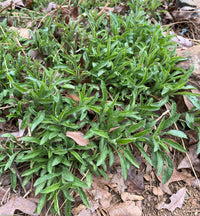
{"x":134,"y":181}
{"x":182,"y":41}
{"x":78,"y":137}
{"x":130,"y":197}
{"x":16,"y":3}
{"x":177,"y":201}
{"x":196,"y":183}
{"x":51,"y":6}
{"x":23,"y":32}
{"x":176,"y":176}
{"x":99,"y":192}
{"x":193,"y":157}
{"x":165,"y":188}
{"x":28,"y":3}
{"x":2,"y":193}
{"x":157,"y":191}
{"x":74,"y":13}
{"x":19,"y":133}
{"x":74,"y":97}
{"x":125,"y":209}
{"x":78,"y":209}
{"x":19,"y":203}
{"x":117,"y":182}
{"x":84,"y":213}
{"x":36,"y":55}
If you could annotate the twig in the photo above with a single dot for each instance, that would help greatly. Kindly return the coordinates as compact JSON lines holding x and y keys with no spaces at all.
{"x":102,"y":10}
{"x":6,"y":6}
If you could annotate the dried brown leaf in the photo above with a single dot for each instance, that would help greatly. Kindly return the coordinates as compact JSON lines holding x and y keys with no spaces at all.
{"x":23,"y":32}
{"x":74,"y":13}
{"x":130,"y":197}
{"x":78,"y":137}
{"x":51,"y":6}
{"x":157,"y":191}
{"x":176,"y":176}
{"x":18,"y":3}
{"x":99,"y":192}
{"x":125,"y":209}
{"x":19,"y":203}
{"x":182,"y":41}
{"x":135,"y":181}
{"x":177,"y":201}
{"x":193,"y":157}
{"x":78,"y":209}
{"x":117,"y":182}
{"x":2,"y":193}
{"x":74,"y":97}
{"x":19,"y":133}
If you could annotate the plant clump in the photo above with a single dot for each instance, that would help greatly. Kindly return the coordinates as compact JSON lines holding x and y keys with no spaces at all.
{"x":100,"y":89}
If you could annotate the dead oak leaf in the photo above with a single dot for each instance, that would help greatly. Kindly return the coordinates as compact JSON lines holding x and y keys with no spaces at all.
{"x":19,"y":203}
{"x":125,"y":209}
{"x":176,"y":176}
{"x":78,"y":137}
{"x":185,"y":163}
{"x":16,"y":3}
{"x":177,"y":201}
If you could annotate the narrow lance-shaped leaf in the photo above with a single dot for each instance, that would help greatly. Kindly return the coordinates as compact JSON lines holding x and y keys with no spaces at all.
{"x":38,"y":119}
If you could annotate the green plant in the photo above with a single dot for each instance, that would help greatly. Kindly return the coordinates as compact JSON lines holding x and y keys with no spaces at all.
{"x":123,"y":71}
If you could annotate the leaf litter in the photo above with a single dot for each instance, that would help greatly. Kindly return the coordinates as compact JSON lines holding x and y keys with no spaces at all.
{"x":177,"y":201}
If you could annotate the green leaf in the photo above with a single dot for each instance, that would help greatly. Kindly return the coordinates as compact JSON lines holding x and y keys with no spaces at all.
{"x":45,"y":178}
{"x":35,"y":169}
{"x":171,"y":120}
{"x":100,"y":133}
{"x":13,"y":179}
{"x":57,"y":160}
{"x":128,"y":155}
{"x":111,"y":157}
{"x":102,"y":157}
{"x":83,"y":197}
{"x":142,"y":133}
{"x":160,"y":162}
{"x":20,"y":88}
{"x":146,"y":156}
{"x":89,"y":179}
{"x":31,"y":155}
{"x":124,"y":141}
{"x":123,"y":164}
{"x":189,"y":117}
{"x":176,"y":133}
{"x":10,"y":160}
{"x":160,"y":126}
{"x":104,"y":174}
{"x":168,"y":171}
{"x":39,"y":188}
{"x":41,"y":203}
{"x":38,"y":119}
{"x":51,"y":188}
{"x":67,"y":175}
{"x":174,"y":144}
{"x":55,"y":203}
{"x":68,"y":207}
{"x":31,"y":139}
{"x":77,"y":156}
{"x":133,"y":128}
{"x":105,"y":93}
{"x":77,"y":182}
